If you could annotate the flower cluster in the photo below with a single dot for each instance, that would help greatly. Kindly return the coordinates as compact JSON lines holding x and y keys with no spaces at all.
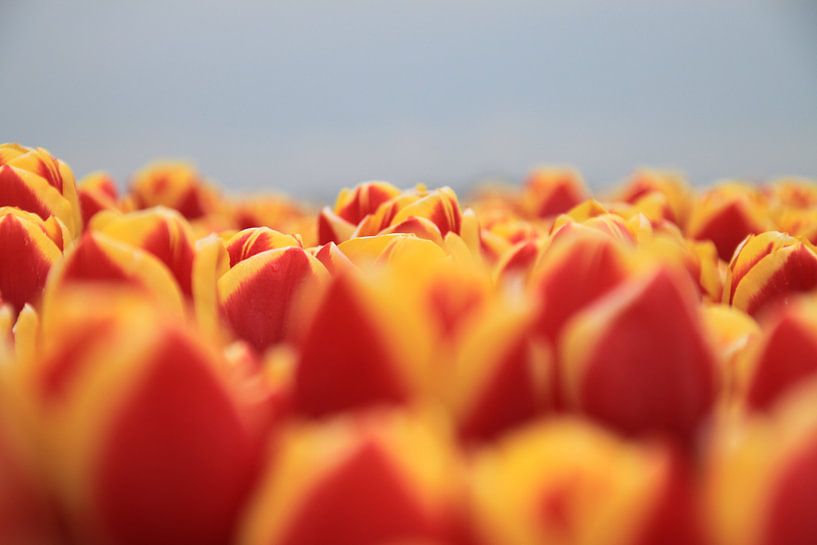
{"x":538,"y":367}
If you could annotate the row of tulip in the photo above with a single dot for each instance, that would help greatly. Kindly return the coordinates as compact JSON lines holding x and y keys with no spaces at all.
{"x":181,"y":368}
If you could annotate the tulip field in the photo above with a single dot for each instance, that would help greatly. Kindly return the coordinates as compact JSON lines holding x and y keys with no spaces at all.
{"x":529,"y":364}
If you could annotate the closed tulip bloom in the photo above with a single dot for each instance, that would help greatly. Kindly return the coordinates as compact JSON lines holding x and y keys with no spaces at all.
{"x":97,"y":192}
{"x":727,"y":214}
{"x":552,"y":191}
{"x":566,"y":482}
{"x":439,"y":206}
{"x":639,"y":359}
{"x":360,"y":480}
{"x":35,"y":181}
{"x":152,"y":438}
{"x":351,"y":207}
{"x":769,"y":269}
{"x":174,"y":185}
{"x":29,"y":247}
{"x":647,"y":188}
{"x":761,"y":476}
{"x":783,"y":357}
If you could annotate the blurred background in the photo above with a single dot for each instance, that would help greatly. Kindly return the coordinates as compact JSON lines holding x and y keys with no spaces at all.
{"x":306,"y":97}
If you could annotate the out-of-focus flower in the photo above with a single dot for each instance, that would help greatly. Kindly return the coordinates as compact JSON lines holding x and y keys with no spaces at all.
{"x":100,"y":259}
{"x":639,"y":359}
{"x":149,"y":435}
{"x":160,"y":231}
{"x":174,"y":185}
{"x":659,"y":193}
{"x":362,"y":345}
{"x":33,"y":180}
{"x":726,"y":214}
{"x":567,"y":483}
{"x":366,"y":479}
{"x":552,"y":191}
{"x":768,"y":269}
{"x":29,"y":247}
{"x":761,"y":477}
{"x":97,"y":192}
{"x":731,"y":331}
{"x":783,"y":357}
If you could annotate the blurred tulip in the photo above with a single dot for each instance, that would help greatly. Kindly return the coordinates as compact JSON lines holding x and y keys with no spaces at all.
{"x":174,"y":185}
{"x":567,"y":483}
{"x":150,"y":436}
{"x":362,"y":345}
{"x":784,"y":356}
{"x":29,"y":247}
{"x":364,"y":480}
{"x":731,"y":330}
{"x":639,"y":359}
{"x":97,"y":192}
{"x":768,"y":269}
{"x":662,"y":192}
{"x":35,"y":181}
{"x":552,"y":191}
{"x":160,"y":231}
{"x":761,"y":477}
{"x":727,"y":214}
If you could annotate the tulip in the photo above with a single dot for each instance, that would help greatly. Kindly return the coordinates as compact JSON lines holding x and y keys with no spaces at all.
{"x":97,"y":192}
{"x":664,"y":192}
{"x":351,"y":207}
{"x":439,"y":206}
{"x":552,"y":191}
{"x":761,"y":476}
{"x":362,"y":345}
{"x":362,"y":480}
{"x":174,"y":185}
{"x":151,"y":438}
{"x":160,"y":231}
{"x":731,"y":331}
{"x":257,"y":295}
{"x":100,"y":259}
{"x":768,"y":269}
{"x":29,"y":247}
{"x":726,"y":215}
{"x":567,"y":483}
{"x":783,"y":357}
{"x":639,"y":360}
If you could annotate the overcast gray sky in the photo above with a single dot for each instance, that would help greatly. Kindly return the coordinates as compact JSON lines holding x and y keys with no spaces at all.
{"x":309,"y":96}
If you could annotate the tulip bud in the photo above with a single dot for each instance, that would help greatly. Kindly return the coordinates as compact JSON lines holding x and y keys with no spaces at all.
{"x":761,"y":477}
{"x":100,"y":259}
{"x":29,"y":247}
{"x":784,"y":356}
{"x":97,"y":192}
{"x":363,"y":345}
{"x":639,"y":360}
{"x":258,"y":295}
{"x":150,"y":436}
{"x":351,"y":207}
{"x":731,"y":331}
{"x":365,"y":480}
{"x":35,"y":181}
{"x":768,"y":269}
{"x":566,"y":482}
{"x":252,"y":241}
{"x":726,"y":215}
{"x":552,"y":191}
{"x":440,"y":206}
{"x":664,"y":192}
{"x":162,"y":232}
{"x":174,"y":185}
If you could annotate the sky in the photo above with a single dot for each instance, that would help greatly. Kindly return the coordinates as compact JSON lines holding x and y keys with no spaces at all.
{"x":309,"y":96}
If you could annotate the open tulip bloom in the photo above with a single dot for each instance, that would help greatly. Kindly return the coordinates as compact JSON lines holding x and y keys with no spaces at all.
{"x":532,"y":366}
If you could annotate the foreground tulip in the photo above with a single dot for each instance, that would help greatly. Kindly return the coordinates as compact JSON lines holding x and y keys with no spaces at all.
{"x":35,"y":181}
{"x":150,"y":437}
{"x":567,"y":483}
{"x":761,"y":478}
{"x":768,"y":269}
{"x":371,"y":479}
{"x":29,"y":247}
{"x":174,"y":185}
{"x":361,"y":346}
{"x":639,"y":359}
{"x":552,"y":191}
{"x":727,"y":214}
{"x":783,"y":357}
